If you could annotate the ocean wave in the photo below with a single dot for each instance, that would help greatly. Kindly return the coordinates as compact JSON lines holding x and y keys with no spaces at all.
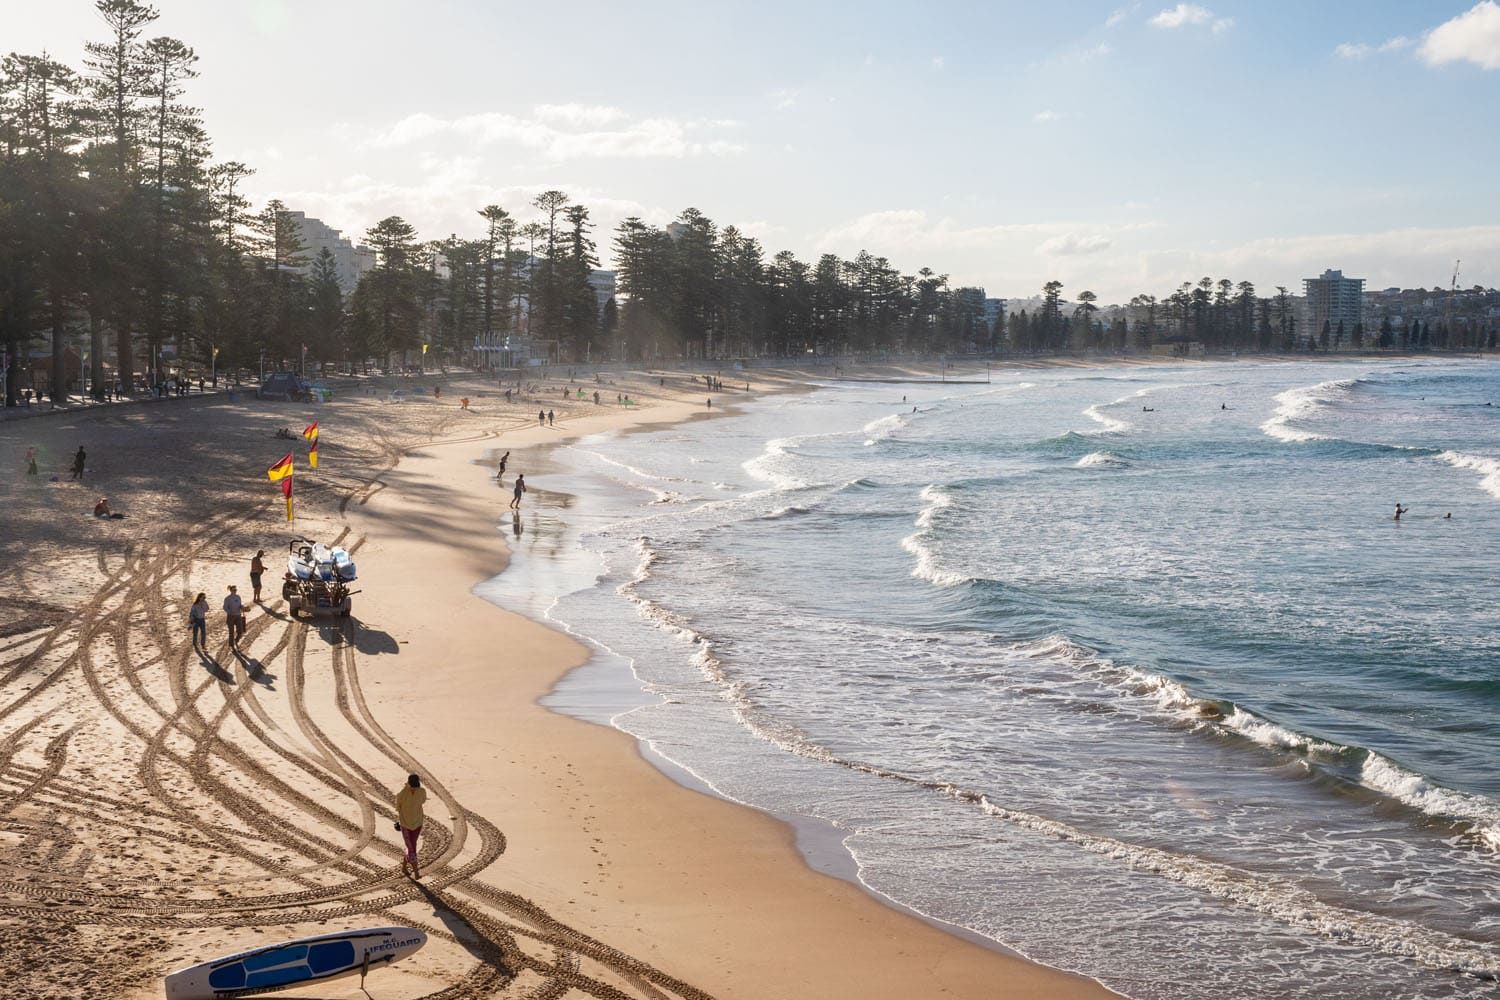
{"x":936,"y":499}
{"x":1110,"y":424}
{"x":1477,"y":815}
{"x":1101,"y":460}
{"x":883,"y":428}
{"x":1304,"y":403}
{"x":1114,"y":425}
{"x":769,"y":465}
{"x":1282,"y":900}
{"x":1488,"y":468}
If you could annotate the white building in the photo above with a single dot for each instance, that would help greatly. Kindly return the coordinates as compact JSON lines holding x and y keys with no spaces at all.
{"x":349,"y":260}
{"x":1335,"y":299}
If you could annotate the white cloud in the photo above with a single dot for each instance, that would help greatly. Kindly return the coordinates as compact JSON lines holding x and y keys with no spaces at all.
{"x":785,"y":97}
{"x":1071,"y":245}
{"x":1094,"y":52}
{"x":938,"y":62}
{"x":1222,"y":25}
{"x":592,"y":115}
{"x":444,"y":198}
{"x":1045,"y":117}
{"x":642,"y":138}
{"x":1182,"y":14}
{"x":1120,"y":14}
{"x":912,"y":229}
{"x":1359,"y":50}
{"x":1473,"y":36}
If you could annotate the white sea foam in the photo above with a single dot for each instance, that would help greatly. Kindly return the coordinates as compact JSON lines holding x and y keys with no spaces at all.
{"x":1111,"y":425}
{"x":936,"y":501}
{"x":1389,"y":778}
{"x":1479,"y":813}
{"x":770,"y":465}
{"x":1269,"y":734}
{"x":1114,"y":425}
{"x":1301,"y":404}
{"x":1488,"y":468}
{"x":1101,"y":460}
{"x":883,"y":428}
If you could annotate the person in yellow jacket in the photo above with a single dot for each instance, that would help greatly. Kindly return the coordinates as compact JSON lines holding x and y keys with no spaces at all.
{"x":409,"y":820}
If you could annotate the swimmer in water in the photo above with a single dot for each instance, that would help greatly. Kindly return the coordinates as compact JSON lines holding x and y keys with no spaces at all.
{"x":1399,"y":511}
{"x":1147,"y":409}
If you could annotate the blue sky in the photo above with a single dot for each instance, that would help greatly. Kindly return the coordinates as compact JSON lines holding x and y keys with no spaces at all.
{"x":1123,"y":148}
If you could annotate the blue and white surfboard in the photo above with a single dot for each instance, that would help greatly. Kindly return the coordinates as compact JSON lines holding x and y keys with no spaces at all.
{"x":305,"y":960}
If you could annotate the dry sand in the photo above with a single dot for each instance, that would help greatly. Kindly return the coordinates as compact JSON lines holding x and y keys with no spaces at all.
{"x":158,"y":809}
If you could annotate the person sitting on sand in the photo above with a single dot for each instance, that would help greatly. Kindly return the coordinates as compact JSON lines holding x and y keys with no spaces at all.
{"x":1399,"y":511}
{"x":101,"y":508}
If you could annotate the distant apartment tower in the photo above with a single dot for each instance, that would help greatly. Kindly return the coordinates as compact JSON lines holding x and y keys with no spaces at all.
{"x":602,"y":283}
{"x":1335,"y":299}
{"x":349,"y":260}
{"x":994,"y":311}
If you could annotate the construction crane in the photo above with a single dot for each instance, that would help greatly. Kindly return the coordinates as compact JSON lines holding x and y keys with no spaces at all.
{"x":1448,"y":309}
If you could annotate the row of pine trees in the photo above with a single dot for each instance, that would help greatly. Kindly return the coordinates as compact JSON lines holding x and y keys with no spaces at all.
{"x":118,"y":226}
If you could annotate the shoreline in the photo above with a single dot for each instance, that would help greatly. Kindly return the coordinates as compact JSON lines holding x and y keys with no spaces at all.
{"x":772,"y":840}
{"x":558,"y":849}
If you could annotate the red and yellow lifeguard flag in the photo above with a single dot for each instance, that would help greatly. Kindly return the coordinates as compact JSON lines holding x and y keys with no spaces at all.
{"x":281,"y":473}
{"x":311,"y":433}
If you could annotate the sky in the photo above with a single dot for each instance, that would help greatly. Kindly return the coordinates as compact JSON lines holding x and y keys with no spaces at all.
{"x":1120,"y":148}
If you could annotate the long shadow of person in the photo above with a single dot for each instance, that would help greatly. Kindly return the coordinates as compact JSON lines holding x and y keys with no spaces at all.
{"x":489,"y":944}
{"x":212,"y":666}
{"x":256,"y":671}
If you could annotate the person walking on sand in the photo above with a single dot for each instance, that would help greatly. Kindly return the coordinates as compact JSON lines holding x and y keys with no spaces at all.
{"x":234,"y":616}
{"x":31,"y":461}
{"x":1399,"y":511}
{"x":503,"y":459}
{"x":515,"y":501}
{"x":78,"y":461}
{"x":256,"y":569}
{"x":409,"y":821}
{"x":551,"y":419}
{"x":541,"y":418}
{"x":710,"y":403}
{"x":198,"y":619}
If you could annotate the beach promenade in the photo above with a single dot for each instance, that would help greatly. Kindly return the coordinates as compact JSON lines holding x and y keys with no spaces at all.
{"x":161,"y":808}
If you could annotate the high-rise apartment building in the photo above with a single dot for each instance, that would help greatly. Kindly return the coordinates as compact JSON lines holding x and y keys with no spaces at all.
{"x":350,"y":261}
{"x":1335,"y":299}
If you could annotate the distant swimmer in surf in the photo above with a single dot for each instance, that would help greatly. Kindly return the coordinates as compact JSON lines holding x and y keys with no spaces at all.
{"x":1147,"y":409}
{"x":1449,"y":516}
{"x":1223,"y":406}
{"x":1399,"y":511}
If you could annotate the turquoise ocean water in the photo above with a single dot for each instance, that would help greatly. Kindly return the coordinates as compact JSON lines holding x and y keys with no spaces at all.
{"x":1129,"y":669}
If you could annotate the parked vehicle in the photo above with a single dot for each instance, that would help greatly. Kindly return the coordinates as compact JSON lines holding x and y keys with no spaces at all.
{"x":283,"y":385}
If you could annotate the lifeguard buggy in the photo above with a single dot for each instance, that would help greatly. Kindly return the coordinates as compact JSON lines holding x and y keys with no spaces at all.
{"x":317,"y":579}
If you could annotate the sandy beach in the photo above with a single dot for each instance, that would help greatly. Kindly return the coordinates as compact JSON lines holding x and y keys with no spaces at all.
{"x":161,"y":809}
